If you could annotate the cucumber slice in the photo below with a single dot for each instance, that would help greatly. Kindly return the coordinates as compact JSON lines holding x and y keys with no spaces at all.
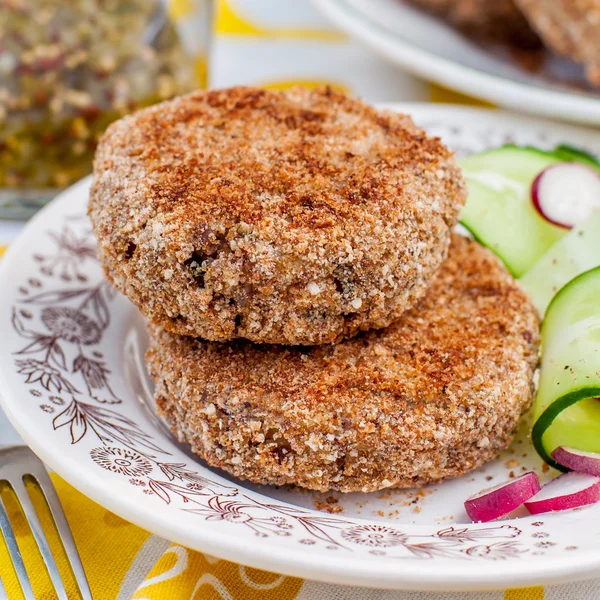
{"x":566,"y":410}
{"x":564,"y":153}
{"x":499,"y":210}
{"x":568,"y":153}
{"x":574,"y":254}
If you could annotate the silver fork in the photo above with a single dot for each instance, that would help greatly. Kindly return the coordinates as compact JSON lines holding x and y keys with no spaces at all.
{"x":18,"y":464}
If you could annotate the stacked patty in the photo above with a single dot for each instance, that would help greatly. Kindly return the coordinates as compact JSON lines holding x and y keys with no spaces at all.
{"x":436,"y":394}
{"x":307,"y":325}
{"x":280,"y":217}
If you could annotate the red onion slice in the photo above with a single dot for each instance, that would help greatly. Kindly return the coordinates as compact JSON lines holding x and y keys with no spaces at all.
{"x":502,"y":499}
{"x":570,"y":490}
{"x":578,"y":460}
{"x":565,"y":194}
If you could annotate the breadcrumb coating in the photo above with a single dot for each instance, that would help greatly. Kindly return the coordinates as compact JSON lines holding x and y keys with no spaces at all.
{"x":296,"y":217}
{"x":431,"y":397}
{"x":569,"y":27}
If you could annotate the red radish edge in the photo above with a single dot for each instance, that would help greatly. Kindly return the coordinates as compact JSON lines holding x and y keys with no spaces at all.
{"x":574,"y":205}
{"x":570,"y":490}
{"x":502,"y":499}
{"x":578,"y":460}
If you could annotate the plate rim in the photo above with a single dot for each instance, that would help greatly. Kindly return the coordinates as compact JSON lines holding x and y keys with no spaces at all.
{"x":335,"y":569}
{"x":480,"y":84}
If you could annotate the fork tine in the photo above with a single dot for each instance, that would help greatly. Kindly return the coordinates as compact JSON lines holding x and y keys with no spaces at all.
{"x":3,"y":593}
{"x":17,"y":464}
{"x":40,"y":537}
{"x":15,"y":553}
{"x":47,"y":488}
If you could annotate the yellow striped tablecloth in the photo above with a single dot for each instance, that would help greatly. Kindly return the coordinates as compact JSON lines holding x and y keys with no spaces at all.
{"x":272,"y":43}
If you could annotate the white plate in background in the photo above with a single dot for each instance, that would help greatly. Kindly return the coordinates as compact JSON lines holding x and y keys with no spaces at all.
{"x":427,"y":47}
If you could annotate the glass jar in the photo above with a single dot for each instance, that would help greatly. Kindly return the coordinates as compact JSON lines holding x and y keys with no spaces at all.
{"x":69,"y":68}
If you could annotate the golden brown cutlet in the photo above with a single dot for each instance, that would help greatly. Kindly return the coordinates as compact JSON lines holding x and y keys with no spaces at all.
{"x":296,"y":217}
{"x":436,"y":394}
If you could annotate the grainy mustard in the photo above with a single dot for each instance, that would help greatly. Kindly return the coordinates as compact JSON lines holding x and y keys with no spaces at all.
{"x":67,"y":69}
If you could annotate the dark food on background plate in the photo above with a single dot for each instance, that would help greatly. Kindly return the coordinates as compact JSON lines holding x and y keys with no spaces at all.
{"x":498,"y":20}
{"x":570,"y":28}
{"x":297,"y":217}
{"x":431,"y":397}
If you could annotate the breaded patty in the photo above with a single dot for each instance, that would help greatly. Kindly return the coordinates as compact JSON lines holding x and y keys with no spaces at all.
{"x":569,"y":27}
{"x":437,"y":394}
{"x":297,"y":217}
{"x":498,"y":20}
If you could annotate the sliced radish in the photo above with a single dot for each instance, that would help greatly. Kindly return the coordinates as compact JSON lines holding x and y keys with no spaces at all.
{"x":578,"y":460}
{"x":566,"y":193}
{"x":502,"y":499}
{"x":570,"y":490}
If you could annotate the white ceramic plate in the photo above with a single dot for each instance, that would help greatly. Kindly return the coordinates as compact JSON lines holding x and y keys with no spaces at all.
{"x":431,"y":49}
{"x":73,"y":382}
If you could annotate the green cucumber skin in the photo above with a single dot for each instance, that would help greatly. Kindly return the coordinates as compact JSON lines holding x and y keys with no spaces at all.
{"x":567,"y":304}
{"x":549,"y":415}
{"x":571,"y":154}
{"x":562,"y":152}
{"x":507,"y":223}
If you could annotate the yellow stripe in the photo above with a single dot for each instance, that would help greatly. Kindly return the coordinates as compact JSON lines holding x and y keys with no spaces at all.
{"x":182,"y":573}
{"x":230,"y":22}
{"x":201,"y":72}
{"x":535,"y":593}
{"x":286,"y":84}
{"x":441,"y":94}
{"x":179,"y":9}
